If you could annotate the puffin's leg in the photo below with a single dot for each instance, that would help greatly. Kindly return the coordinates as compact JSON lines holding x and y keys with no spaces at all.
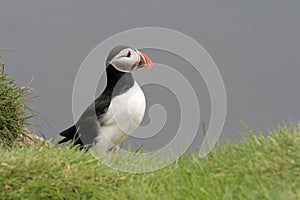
{"x":114,"y":148}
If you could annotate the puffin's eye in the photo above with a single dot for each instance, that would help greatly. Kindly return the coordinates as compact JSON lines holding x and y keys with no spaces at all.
{"x":128,"y":54}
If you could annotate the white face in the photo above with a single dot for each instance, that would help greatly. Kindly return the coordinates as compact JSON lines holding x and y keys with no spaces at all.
{"x":126,"y":60}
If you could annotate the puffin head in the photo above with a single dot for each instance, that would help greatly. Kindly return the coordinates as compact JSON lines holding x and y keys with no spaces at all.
{"x":127,"y":59}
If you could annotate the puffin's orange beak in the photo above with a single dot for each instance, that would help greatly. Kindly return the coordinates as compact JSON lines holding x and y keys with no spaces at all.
{"x":144,"y":61}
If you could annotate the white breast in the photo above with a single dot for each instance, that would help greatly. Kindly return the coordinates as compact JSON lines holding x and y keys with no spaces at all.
{"x":123,"y":116}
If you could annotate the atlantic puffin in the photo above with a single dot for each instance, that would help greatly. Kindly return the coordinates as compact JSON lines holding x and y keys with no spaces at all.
{"x":118,"y":111}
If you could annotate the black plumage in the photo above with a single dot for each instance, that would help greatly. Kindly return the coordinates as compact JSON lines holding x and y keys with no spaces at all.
{"x":85,"y":130}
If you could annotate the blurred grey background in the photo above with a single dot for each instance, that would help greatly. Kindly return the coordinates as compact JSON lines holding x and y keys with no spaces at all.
{"x":255,"y":44}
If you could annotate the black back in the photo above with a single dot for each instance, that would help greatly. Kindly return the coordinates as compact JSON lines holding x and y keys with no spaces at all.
{"x":86,"y":129}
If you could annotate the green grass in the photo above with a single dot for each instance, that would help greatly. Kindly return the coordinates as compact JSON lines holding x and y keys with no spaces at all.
{"x":13,"y":115}
{"x":255,"y":168}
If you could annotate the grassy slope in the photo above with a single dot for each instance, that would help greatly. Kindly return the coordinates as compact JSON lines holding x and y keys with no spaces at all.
{"x":256,"y":168}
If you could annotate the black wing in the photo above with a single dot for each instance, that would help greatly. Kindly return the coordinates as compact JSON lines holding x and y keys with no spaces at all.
{"x":87,"y":127}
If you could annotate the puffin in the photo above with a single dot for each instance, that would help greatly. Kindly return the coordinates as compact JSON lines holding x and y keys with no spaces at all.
{"x":118,"y":111}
